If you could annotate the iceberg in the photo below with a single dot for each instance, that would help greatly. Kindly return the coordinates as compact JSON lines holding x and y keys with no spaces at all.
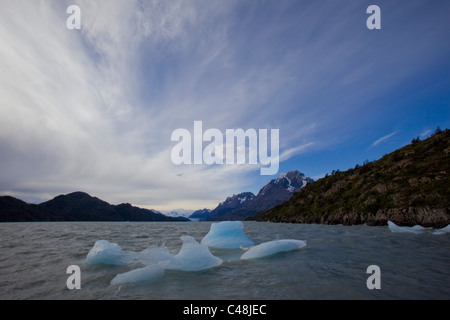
{"x":152,"y":255}
{"x":141,"y":275}
{"x":105,"y":252}
{"x":227,"y":235}
{"x":193,"y":256}
{"x":442,"y":231}
{"x":272,"y":247}
{"x":395,"y":228}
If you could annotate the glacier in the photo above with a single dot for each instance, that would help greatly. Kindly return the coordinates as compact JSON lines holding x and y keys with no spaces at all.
{"x":273,"y":247}
{"x":227,"y":235}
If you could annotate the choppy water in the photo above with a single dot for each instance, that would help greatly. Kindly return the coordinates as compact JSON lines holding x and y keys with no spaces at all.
{"x":34,"y":258}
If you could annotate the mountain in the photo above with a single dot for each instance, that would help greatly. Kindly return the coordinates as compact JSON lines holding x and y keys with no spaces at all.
{"x":226,"y":208}
{"x":278,"y":191}
{"x":179,"y":213}
{"x":77,"y":206}
{"x":408,"y":186}
{"x":15,"y":210}
{"x":200,"y":214}
{"x":244,"y":205}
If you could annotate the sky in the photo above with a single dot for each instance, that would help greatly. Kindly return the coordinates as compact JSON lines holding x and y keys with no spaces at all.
{"x":93,"y":109}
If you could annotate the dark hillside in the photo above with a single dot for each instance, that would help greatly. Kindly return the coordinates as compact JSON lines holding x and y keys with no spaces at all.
{"x":408,"y":186}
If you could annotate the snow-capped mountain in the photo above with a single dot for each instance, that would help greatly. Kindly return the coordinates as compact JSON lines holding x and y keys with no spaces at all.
{"x":243,"y":205}
{"x":230,"y":204}
{"x":236,"y":200}
{"x":179,"y":213}
{"x":285,"y":185}
{"x":200,"y":214}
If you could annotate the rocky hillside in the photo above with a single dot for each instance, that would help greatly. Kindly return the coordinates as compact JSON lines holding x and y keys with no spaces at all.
{"x":408,"y":186}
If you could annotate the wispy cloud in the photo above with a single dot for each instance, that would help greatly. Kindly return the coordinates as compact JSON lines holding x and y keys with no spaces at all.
{"x":93,"y":110}
{"x":382,"y":139}
{"x":424,"y":134}
{"x":285,"y":155}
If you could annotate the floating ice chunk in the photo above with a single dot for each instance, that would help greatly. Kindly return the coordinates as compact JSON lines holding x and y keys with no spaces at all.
{"x":442,"y":231}
{"x":141,"y":275}
{"x":227,"y":235}
{"x":193,"y":256}
{"x":272,"y":247}
{"x":153,"y":255}
{"x":395,"y":228}
{"x":104,"y":252}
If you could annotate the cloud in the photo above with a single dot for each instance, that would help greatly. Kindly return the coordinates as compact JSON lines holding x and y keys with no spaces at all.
{"x":424,"y":134}
{"x":93,"y":110}
{"x":60,"y":108}
{"x":285,"y":155}
{"x":382,"y":139}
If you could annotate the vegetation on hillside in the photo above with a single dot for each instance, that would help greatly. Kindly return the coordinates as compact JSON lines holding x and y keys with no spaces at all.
{"x":412,"y":178}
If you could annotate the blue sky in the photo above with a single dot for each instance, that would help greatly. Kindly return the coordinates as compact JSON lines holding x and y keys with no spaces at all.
{"x":94,"y":109}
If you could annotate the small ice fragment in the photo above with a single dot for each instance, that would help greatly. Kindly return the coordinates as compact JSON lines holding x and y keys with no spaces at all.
{"x":141,"y":275}
{"x":104,"y":252}
{"x":227,"y":235}
{"x":442,"y":231}
{"x":272,"y":247}
{"x":395,"y":228}
{"x":193,"y":256}
{"x":418,"y":228}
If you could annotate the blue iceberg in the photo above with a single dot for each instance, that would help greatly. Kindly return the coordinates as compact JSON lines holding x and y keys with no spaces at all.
{"x":273,"y":247}
{"x":227,"y":235}
{"x":193,"y":256}
{"x":442,"y":231}
{"x":395,"y":228}
{"x":141,"y":275}
{"x":105,"y":252}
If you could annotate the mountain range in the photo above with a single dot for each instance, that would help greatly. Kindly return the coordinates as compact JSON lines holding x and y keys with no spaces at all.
{"x":243,"y":205}
{"x":77,"y":206}
{"x":409,"y":186}
{"x":80,"y":206}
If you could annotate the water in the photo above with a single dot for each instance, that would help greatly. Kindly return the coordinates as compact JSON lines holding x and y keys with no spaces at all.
{"x":34,"y":258}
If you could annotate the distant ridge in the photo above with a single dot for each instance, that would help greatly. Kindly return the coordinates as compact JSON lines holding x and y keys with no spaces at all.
{"x":408,"y":186}
{"x":76,"y":206}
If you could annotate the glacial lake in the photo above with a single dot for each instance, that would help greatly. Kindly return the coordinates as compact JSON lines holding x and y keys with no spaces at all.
{"x":34,"y":258}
